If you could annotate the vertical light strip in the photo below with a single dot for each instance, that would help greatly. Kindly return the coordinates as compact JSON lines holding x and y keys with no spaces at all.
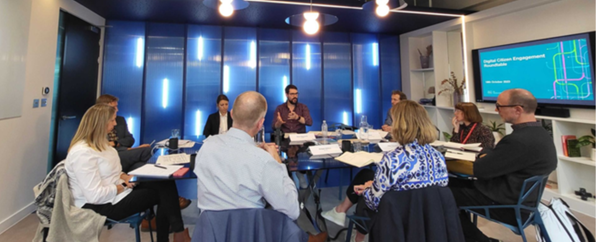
{"x":308,"y":56}
{"x":465,"y":50}
{"x":358,"y":101}
{"x":200,"y":48}
{"x":129,"y":122}
{"x":253,"y":54}
{"x":226,"y":79}
{"x":375,"y":54}
{"x":164,"y":93}
{"x":285,"y":84}
{"x":140,"y":52}
{"x":198,"y":123}
{"x":345,"y":118}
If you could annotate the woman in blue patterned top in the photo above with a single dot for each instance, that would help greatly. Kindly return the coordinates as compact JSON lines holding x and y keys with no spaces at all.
{"x":413,"y":165}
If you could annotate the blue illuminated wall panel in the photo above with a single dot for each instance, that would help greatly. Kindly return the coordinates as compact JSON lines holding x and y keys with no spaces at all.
{"x":124,"y":62}
{"x":203,"y":77}
{"x":306,"y":74}
{"x":337,"y":63}
{"x":274,"y":69}
{"x":163,"y":81}
{"x":390,"y":70}
{"x":240,"y":61}
{"x":365,"y":49}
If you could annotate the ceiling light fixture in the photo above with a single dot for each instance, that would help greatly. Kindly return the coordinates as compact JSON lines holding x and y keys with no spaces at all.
{"x":382,"y":10}
{"x":226,"y":9}
{"x":311,"y":26}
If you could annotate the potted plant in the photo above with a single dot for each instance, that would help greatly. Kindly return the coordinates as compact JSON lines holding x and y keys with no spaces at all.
{"x":447,"y":136}
{"x":588,"y":140}
{"x":497,"y":129}
{"x":452,"y":86}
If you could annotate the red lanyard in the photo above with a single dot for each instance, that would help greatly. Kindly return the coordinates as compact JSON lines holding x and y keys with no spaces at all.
{"x":461,"y":135}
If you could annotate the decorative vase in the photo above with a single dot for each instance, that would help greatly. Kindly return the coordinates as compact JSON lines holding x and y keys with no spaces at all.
{"x":593,"y":155}
{"x":456,"y":98}
{"x":424,"y":60}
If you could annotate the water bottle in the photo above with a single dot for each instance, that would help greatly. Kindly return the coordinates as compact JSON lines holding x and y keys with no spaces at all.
{"x":363,"y":128}
{"x":324,"y":130}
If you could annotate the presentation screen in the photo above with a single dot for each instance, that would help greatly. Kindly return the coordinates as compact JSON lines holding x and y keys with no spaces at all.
{"x":558,"y":71}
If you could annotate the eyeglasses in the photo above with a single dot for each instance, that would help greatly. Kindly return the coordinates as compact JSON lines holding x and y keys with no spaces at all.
{"x":499,"y":106}
{"x":293,"y":94}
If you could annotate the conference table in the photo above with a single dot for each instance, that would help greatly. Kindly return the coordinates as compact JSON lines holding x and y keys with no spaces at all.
{"x":157,"y":152}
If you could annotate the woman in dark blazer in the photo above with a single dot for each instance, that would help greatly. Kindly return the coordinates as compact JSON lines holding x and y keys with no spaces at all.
{"x":212,"y":127}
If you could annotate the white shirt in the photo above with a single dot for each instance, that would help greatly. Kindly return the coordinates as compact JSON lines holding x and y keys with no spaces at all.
{"x":92,"y":175}
{"x":223,"y":123}
{"x":233,"y":173}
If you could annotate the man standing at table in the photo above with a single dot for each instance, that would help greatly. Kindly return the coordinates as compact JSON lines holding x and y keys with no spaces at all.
{"x":292,"y":116}
{"x":233,"y":173}
{"x":396,"y":96}
{"x":528,"y":151}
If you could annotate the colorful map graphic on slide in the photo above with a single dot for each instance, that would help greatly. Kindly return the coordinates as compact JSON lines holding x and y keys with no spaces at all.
{"x":557,"y":70}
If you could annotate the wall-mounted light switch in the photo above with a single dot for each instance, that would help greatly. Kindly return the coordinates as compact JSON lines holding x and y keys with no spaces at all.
{"x":35,"y":103}
{"x":44,"y":102}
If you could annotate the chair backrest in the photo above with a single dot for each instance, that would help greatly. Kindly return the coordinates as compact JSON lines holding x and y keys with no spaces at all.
{"x":247,"y":225}
{"x":532,"y":187}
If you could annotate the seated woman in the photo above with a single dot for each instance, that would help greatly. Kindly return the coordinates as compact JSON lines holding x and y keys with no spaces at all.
{"x":468,"y":127}
{"x":97,"y":183}
{"x":220,"y":121}
{"x":413,"y":165}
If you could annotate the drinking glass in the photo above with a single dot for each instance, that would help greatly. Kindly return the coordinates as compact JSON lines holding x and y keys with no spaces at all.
{"x":175,"y":133}
{"x":357,"y":146}
{"x":260,"y":136}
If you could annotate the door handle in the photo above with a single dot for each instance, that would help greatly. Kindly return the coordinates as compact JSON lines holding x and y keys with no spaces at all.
{"x":68,"y":117}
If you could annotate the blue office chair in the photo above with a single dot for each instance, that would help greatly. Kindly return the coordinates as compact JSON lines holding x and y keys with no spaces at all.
{"x":134,"y":222}
{"x":531,"y":185}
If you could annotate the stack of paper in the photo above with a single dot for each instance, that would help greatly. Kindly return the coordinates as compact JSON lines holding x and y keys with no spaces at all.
{"x":472,"y":147}
{"x":460,"y":155}
{"x":360,"y":158}
{"x":324,"y":151}
{"x":173,"y":159}
{"x":151,"y":170}
{"x":372,"y":136}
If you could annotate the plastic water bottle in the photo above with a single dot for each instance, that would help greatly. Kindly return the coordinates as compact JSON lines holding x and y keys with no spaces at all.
{"x":363,"y":128}
{"x":324,"y":130}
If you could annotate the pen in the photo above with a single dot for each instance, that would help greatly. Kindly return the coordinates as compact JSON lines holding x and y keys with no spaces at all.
{"x":152,"y":143}
{"x":158,"y":166}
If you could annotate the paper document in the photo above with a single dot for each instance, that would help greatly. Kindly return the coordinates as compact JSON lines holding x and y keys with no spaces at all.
{"x":473,"y":146}
{"x":151,"y":170}
{"x":388,"y":146}
{"x":460,"y":155}
{"x":437,"y":143}
{"x":372,"y":136}
{"x":360,"y":158}
{"x":331,"y":150}
{"x":347,"y":132}
{"x":173,"y":159}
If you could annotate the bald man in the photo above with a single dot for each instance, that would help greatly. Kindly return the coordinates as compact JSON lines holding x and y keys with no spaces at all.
{"x":233,"y":172}
{"x":528,"y":151}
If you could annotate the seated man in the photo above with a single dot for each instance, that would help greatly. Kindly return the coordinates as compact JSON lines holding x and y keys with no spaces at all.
{"x":396,"y":96}
{"x":528,"y":151}
{"x":122,"y":140}
{"x":233,"y":173}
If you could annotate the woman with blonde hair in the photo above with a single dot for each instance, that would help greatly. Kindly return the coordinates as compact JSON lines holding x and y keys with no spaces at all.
{"x":97,"y":183}
{"x":414,"y":164}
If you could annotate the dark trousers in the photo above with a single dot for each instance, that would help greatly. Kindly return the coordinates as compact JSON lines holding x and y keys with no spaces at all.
{"x":134,"y":158}
{"x":164,"y":194}
{"x":466,"y":194}
{"x":362,"y":210}
{"x":362,"y":177}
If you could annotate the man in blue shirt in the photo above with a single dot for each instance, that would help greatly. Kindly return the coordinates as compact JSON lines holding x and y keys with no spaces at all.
{"x":396,"y":96}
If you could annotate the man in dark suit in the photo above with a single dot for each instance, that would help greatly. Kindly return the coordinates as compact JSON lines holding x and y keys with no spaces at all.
{"x":220,"y":121}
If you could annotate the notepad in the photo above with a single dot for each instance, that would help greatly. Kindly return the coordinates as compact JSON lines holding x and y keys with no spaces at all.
{"x":150,"y":170}
{"x":460,"y":155}
{"x":360,"y":158}
{"x":173,"y":159}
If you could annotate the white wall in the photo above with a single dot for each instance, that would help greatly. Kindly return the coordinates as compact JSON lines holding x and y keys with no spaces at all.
{"x":25,"y":140}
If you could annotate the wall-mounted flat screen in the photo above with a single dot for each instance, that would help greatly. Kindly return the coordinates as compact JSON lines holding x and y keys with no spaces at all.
{"x":558,"y":71}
